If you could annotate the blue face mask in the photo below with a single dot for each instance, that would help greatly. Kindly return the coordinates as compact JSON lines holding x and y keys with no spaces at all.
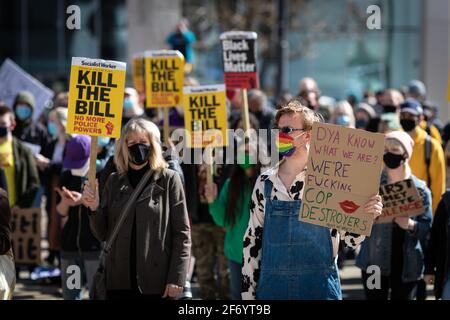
{"x":103,"y":141}
{"x":23,"y":111}
{"x":127,"y":104}
{"x":343,"y":120}
{"x":52,"y":129}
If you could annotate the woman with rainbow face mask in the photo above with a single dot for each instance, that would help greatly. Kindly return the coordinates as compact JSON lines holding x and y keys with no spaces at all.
{"x":283,"y":257}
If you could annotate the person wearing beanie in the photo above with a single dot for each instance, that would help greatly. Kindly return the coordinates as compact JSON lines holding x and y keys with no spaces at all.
{"x":430,"y":123}
{"x":396,"y":246}
{"x":78,"y":244}
{"x":27,"y":130}
{"x":425,"y":147}
{"x":50,"y":165}
{"x":363,"y":114}
{"x":417,"y":90}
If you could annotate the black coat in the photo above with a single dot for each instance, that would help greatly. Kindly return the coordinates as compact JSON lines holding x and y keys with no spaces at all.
{"x":163,"y":242}
{"x":438,"y":251}
{"x":26,"y":175}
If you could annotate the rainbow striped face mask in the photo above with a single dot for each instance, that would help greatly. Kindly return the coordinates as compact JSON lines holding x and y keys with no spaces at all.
{"x":285,"y":144}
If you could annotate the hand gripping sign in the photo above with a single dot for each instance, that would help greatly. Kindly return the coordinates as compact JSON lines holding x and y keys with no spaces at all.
{"x":205,"y":116}
{"x":343,"y":173}
{"x":164,"y":77}
{"x":95,"y":102}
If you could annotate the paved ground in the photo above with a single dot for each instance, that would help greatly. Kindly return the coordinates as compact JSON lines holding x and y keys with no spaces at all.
{"x":28,"y":289}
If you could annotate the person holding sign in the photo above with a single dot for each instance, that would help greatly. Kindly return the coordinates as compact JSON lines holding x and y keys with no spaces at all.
{"x":396,"y":247}
{"x":285,"y":258}
{"x":230,"y":209}
{"x":79,"y":247}
{"x":150,"y":256}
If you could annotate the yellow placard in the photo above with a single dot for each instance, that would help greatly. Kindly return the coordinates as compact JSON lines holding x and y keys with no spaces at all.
{"x":138,"y":73}
{"x":164,"y":76}
{"x":96,"y":97}
{"x":205,"y":116}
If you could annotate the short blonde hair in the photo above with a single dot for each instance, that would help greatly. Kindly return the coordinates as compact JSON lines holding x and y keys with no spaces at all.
{"x":139,"y":125}
{"x":307,"y":115}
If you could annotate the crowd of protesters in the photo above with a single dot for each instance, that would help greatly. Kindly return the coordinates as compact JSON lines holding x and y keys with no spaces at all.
{"x":238,"y":236}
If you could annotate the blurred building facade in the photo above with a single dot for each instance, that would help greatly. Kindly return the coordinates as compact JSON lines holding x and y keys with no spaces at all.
{"x":328,"y":40}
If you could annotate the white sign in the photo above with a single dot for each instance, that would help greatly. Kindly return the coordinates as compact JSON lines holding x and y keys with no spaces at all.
{"x":14,"y":79}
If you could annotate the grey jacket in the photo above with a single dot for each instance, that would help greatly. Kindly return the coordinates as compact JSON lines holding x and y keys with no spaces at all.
{"x":163,"y":241}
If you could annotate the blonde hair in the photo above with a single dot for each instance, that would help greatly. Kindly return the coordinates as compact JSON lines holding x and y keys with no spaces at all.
{"x":307,"y":115}
{"x":139,"y":125}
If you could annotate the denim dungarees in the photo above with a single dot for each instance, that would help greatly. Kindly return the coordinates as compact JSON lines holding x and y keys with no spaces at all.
{"x":297,"y":258}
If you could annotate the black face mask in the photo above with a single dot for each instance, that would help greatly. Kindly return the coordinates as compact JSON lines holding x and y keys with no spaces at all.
{"x":389,"y":109}
{"x":408,"y":124}
{"x":393,"y":161}
{"x":361,"y":123}
{"x":3,"y":132}
{"x":139,"y":153}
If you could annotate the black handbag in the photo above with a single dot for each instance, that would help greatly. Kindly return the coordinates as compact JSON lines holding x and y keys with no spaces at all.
{"x":98,"y":289}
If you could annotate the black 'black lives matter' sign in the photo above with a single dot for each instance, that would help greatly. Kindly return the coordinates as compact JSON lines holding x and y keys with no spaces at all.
{"x":239,"y":59}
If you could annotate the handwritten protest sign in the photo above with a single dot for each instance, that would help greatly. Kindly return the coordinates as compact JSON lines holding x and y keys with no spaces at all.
{"x":205,"y":116}
{"x":14,"y":79}
{"x":96,"y":97}
{"x":343,"y":172}
{"x":400,"y":199}
{"x":26,"y":236}
{"x":239,"y":59}
{"x":139,"y":72}
{"x":164,"y":76}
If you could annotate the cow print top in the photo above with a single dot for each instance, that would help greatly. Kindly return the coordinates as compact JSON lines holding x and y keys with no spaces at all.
{"x":253,"y":236}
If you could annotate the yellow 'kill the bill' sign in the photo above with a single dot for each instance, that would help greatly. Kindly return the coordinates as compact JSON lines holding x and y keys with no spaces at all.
{"x":205,"y":116}
{"x":96,"y":97}
{"x":164,"y":77}
{"x":139,"y":73}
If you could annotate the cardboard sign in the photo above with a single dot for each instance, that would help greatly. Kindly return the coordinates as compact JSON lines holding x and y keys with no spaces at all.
{"x":400,"y":199}
{"x":14,"y":79}
{"x":164,"y":77}
{"x":239,"y":59}
{"x":139,"y":73}
{"x":343,"y":173}
{"x":26,"y":236}
{"x":205,"y":116}
{"x":96,"y":97}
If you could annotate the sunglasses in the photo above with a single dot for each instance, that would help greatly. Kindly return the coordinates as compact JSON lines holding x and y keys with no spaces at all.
{"x":289,"y":130}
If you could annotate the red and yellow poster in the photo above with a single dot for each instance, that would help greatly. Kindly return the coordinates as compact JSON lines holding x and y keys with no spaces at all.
{"x":96,"y":97}
{"x":164,"y":77}
{"x":205,"y":116}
